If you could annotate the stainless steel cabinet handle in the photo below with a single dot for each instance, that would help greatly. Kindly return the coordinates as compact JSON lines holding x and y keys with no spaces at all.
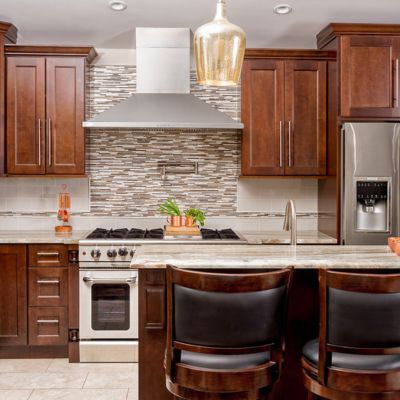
{"x":290,"y":143}
{"x":40,"y":141}
{"x":48,"y":321}
{"x":49,"y":281}
{"x":280,"y":144}
{"x":49,"y":142}
{"x":48,"y":254}
{"x":86,"y":279}
{"x":396,"y":83}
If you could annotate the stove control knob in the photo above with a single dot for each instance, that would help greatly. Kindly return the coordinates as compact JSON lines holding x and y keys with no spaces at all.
{"x":132,"y":253}
{"x":95,"y":253}
{"x":112,"y":253}
{"x":123,"y":251}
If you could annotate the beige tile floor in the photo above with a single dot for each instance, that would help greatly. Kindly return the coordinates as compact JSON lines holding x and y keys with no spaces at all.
{"x":56,"y":379}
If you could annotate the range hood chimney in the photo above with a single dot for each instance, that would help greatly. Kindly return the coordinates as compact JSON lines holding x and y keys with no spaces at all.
{"x":162,"y":98}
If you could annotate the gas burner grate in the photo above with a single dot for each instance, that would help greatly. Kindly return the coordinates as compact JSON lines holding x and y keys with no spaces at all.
{"x":124,"y":233}
{"x":155,"y":234}
{"x":210,"y":234}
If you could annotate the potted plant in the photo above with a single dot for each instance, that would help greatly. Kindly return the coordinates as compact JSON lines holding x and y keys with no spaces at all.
{"x":171,"y":208}
{"x":193,"y":215}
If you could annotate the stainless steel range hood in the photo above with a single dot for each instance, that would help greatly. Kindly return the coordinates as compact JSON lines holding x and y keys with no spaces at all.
{"x":162,"y":98}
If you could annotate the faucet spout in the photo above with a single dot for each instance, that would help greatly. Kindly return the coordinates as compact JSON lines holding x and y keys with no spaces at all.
{"x":290,"y":222}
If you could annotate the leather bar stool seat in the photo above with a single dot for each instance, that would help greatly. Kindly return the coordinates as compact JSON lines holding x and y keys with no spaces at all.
{"x":352,"y":361}
{"x":225,"y":361}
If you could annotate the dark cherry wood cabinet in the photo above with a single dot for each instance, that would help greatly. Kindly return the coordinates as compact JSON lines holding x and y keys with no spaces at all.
{"x":152,"y":334}
{"x":45,"y":110}
{"x":13,"y":295}
{"x":26,"y":115}
{"x":305,"y":116}
{"x":368,"y":73}
{"x":284,"y":111}
{"x":8,"y":34}
{"x":36,"y":317}
{"x":263,"y":116}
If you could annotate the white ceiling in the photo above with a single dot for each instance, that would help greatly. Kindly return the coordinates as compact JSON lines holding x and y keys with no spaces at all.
{"x":91,"y":22}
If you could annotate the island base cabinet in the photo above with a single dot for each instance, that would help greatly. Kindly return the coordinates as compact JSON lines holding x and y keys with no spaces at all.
{"x":152,"y":334}
{"x":13,"y":295}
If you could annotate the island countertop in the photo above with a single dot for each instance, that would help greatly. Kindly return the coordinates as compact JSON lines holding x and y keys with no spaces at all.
{"x":265,"y":256}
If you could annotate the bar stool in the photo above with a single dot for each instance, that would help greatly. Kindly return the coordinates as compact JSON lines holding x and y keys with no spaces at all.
{"x":225,"y":334}
{"x":357,"y":356}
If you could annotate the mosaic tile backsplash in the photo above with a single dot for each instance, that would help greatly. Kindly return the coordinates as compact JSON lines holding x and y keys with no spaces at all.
{"x":123,"y":164}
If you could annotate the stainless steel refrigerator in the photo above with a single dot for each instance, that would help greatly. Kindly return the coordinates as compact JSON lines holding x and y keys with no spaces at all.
{"x":370,"y":182}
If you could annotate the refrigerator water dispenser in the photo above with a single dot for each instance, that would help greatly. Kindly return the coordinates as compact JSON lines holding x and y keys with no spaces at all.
{"x":372,"y":205}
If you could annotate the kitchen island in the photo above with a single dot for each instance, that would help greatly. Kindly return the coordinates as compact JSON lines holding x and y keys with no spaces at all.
{"x":303,"y":307}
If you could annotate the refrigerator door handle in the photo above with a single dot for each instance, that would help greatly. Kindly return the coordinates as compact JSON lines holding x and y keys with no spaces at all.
{"x":342,"y":187}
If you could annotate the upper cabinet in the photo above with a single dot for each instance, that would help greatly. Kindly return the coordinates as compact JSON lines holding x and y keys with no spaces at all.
{"x":45,"y":100}
{"x":368,"y":58}
{"x":8,"y":34}
{"x":284,"y":111}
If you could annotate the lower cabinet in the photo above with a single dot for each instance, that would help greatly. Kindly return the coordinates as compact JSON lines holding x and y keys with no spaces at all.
{"x":152,"y":334}
{"x":33,"y":300}
{"x":13,"y":294}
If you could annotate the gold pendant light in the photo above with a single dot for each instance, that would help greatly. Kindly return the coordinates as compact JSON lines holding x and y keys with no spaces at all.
{"x":219,"y":50}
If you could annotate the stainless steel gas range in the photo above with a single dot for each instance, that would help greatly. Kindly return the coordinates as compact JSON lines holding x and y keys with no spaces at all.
{"x":108,"y":288}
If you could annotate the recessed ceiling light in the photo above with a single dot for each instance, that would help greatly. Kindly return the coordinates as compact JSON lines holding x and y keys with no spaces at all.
{"x":283,"y":9}
{"x":117,"y":5}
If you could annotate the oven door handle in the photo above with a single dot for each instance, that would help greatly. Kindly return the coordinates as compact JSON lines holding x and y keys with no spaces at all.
{"x":131,"y":280}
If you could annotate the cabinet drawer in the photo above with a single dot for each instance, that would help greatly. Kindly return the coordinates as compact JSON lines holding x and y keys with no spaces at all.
{"x":48,"y":255}
{"x":48,"y":287}
{"x":48,"y":326}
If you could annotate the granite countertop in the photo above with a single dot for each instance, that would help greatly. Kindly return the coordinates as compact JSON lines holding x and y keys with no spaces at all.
{"x":283,"y":237}
{"x":40,"y":236}
{"x":265,"y":256}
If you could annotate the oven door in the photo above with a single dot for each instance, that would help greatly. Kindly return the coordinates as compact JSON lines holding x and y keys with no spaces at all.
{"x":108,"y":304}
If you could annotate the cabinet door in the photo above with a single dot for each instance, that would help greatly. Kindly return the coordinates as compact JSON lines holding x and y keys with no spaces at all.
{"x":369,"y":76}
{"x":65,"y":96}
{"x":25,"y":115}
{"x":13,"y":297}
{"x":305,"y":117}
{"x":263,"y":117}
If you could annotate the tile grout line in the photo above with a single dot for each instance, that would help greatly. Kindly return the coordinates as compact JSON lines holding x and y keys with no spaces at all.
{"x":87,"y":375}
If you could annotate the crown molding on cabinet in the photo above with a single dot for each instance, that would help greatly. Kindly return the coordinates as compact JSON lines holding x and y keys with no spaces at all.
{"x":89,"y":52}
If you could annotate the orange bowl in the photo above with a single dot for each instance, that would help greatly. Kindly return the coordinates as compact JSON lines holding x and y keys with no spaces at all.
{"x":392,"y":242}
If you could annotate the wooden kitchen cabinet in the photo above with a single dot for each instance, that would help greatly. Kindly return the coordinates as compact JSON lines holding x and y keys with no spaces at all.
{"x":37,"y":318}
{"x":45,"y":110}
{"x":8,"y":34}
{"x":263,"y":116}
{"x":13,"y":295}
{"x":284,"y":111}
{"x":368,"y":76}
{"x":152,"y":334}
